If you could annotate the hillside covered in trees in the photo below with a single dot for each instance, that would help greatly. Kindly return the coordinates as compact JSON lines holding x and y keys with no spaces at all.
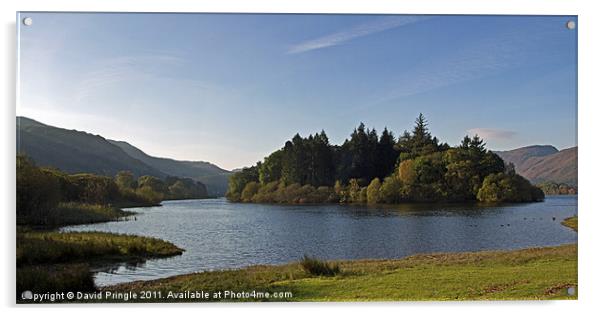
{"x":368,"y":168}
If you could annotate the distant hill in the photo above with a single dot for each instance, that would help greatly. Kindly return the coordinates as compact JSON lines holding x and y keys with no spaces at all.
{"x":213,"y":176}
{"x":544,"y":163}
{"x":75,"y":152}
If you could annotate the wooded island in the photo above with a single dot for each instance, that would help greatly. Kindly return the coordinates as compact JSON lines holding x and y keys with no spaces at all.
{"x":366,"y":168}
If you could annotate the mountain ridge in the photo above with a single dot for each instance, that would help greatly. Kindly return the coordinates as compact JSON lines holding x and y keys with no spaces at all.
{"x":76,"y":151}
{"x":544,"y":163}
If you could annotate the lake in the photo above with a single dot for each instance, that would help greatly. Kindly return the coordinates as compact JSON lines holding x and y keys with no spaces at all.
{"x":217,"y":234}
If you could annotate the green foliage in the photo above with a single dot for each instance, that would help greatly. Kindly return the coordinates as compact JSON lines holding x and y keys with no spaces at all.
{"x":315,"y":266}
{"x":415,"y":168}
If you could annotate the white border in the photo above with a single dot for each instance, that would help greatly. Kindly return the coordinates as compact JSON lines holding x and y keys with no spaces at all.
{"x":589,"y":140}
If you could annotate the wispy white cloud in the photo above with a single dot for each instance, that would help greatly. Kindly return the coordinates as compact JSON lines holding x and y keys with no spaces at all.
{"x":338,"y":38}
{"x":492,"y":133}
{"x":487,"y":57}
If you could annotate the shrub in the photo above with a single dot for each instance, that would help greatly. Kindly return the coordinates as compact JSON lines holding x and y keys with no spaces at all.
{"x":318,"y":267}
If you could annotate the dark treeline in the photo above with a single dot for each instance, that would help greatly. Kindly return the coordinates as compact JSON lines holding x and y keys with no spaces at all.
{"x":373,"y":168}
{"x":43,"y":193}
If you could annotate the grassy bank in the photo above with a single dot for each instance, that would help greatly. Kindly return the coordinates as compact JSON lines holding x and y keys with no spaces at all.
{"x":538,"y":273}
{"x":74,"y":213}
{"x":570,"y":222}
{"x":53,"y":261}
{"x":56,"y":247}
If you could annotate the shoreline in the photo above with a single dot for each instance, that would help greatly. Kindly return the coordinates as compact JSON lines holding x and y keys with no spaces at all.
{"x":521,"y":274}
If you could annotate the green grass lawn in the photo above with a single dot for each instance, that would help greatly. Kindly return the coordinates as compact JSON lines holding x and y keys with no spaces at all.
{"x":570,"y":222}
{"x":529,"y":274}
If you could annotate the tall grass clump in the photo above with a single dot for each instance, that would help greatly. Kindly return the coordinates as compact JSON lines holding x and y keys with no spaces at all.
{"x":315,"y":266}
{"x":55,"y":278}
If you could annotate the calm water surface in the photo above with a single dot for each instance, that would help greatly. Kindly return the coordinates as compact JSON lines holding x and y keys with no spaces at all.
{"x":217,"y":234}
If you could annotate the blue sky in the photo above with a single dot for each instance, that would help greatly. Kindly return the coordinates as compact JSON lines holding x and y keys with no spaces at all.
{"x":230,"y":88}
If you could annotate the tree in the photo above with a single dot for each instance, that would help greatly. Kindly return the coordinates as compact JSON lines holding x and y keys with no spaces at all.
{"x":271,"y":168}
{"x":339,"y":191}
{"x":125,"y":180}
{"x":354,"y":190}
{"x":249,"y":191}
{"x":358,"y":155}
{"x":179,"y":190}
{"x":321,"y":164}
{"x":294,"y":164}
{"x":390,"y":190}
{"x":416,"y":167}
{"x":373,"y":192}
{"x":95,"y":189}
{"x":504,"y":187}
{"x":152,"y":182}
{"x":420,"y":142}
{"x":386,"y":154}
{"x":238,"y":181}
{"x":38,"y":193}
